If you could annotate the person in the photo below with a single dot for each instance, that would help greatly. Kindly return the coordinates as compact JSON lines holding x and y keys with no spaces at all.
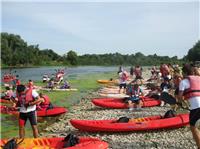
{"x":26,"y":99}
{"x":120,"y":69}
{"x":122,"y":81}
{"x":165,"y":85}
{"x":134,"y":101}
{"x":43,"y":102}
{"x":189,"y":89}
{"x":50,"y":84}
{"x":138,"y":73}
{"x":131,"y":71}
{"x":65,"y":85}
{"x":8,"y":94}
{"x":164,"y":69}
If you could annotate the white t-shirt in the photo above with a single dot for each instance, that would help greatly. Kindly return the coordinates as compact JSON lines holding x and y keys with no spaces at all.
{"x":121,"y":80}
{"x":29,"y":108}
{"x":194,"y":101}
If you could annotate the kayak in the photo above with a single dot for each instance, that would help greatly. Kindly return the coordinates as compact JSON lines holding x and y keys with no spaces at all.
{"x":116,"y":103}
{"x":4,"y":101}
{"x":58,"y":142}
{"x":137,"y":124}
{"x":58,"y":89}
{"x":41,"y":113}
{"x":107,"y":81}
{"x":113,"y":95}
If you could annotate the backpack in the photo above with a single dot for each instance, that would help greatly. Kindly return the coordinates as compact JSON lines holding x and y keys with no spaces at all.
{"x":123,"y":120}
{"x":70,"y":140}
{"x":12,"y":144}
{"x":169,"y":114}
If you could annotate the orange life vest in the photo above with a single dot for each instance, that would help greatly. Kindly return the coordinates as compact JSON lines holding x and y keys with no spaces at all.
{"x":46,"y":102}
{"x":194,"y":89}
{"x":25,"y":98}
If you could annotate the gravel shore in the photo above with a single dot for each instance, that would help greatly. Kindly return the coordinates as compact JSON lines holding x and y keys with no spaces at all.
{"x":163,"y":139}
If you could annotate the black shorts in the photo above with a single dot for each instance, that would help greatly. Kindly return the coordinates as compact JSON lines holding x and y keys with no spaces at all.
{"x":194,"y":116}
{"x":24,"y":116}
{"x":122,"y":85}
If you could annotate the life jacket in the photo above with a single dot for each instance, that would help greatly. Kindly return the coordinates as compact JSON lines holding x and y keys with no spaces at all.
{"x":46,"y":102}
{"x":124,"y":76}
{"x":25,"y":98}
{"x":134,"y":92}
{"x":194,"y":89}
{"x":138,"y":72}
{"x":18,"y":82}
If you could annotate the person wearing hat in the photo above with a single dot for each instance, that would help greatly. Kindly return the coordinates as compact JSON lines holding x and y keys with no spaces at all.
{"x":26,"y":99}
{"x":189,"y":89}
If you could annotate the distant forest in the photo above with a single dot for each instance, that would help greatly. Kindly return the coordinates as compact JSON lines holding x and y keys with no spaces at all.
{"x":16,"y":52}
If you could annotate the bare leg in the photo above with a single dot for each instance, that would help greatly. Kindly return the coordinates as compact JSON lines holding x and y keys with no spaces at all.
{"x":130,"y":104}
{"x":196,"y":135}
{"x":21,"y":132}
{"x":35,"y":131}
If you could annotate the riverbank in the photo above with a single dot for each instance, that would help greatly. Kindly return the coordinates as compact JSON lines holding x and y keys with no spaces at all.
{"x":84,"y":83}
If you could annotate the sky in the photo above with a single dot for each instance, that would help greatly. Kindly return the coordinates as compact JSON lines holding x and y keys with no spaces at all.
{"x":167,"y":28}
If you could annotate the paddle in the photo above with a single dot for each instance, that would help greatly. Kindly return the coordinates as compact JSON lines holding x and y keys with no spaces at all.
{"x":166,"y":97}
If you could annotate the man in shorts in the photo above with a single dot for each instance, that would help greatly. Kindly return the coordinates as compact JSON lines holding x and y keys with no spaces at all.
{"x":189,"y":89}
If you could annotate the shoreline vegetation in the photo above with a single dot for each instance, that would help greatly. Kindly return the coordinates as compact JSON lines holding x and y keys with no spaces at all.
{"x":15,"y":52}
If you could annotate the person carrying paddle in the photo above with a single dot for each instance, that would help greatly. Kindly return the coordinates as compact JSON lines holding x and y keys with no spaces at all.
{"x":189,"y":89}
{"x":26,"y":99}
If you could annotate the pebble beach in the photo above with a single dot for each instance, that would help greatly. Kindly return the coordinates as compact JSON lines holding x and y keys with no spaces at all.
{"x":162,"y":139}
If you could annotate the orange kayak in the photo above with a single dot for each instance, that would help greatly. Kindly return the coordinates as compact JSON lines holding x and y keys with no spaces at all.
{"x":57,"y":143}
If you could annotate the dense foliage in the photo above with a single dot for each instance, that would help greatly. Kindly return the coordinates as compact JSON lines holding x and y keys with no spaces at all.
{"x":16,"y":52}
{"x":194,"y":53}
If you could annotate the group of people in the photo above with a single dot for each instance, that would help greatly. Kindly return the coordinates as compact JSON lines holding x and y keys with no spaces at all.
{"x":181,"y":85}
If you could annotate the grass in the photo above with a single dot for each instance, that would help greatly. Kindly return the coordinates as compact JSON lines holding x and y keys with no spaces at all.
{"x":84,"y":84}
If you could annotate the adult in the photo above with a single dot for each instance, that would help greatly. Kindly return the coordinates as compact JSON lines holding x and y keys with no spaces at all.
{"x":26,"y":99}
{"x":189,"y":89}
{"x":44,"y":102}
{"x":123,"y":77}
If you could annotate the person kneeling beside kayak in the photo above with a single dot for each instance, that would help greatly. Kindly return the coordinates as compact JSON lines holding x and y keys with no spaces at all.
{"x":134,"y":101}
{"x":44,"y":103}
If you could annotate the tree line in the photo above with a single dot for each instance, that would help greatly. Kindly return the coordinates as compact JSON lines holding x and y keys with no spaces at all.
{"x":16,"y":52}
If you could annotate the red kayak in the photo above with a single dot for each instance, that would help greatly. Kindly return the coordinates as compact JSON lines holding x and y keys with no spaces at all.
{"x":42,"y":113}
{"x":138,"y":124}
{"x":4,"y":101}
{"x":57,"y":143}
{"x":116,"y":103}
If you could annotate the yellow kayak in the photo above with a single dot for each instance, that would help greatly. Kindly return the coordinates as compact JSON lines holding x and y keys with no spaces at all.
{"x":107,"y":81}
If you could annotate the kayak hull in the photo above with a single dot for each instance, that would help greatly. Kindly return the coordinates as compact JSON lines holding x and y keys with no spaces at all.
{"x":41,"y":113}
{"x":57,"y":143}
{"x":139,"y":124}
{"x":116,"y":103}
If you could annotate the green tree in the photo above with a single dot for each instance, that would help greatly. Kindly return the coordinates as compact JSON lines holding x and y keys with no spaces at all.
{"x":72,"y":58}
{"x":194,"y":53}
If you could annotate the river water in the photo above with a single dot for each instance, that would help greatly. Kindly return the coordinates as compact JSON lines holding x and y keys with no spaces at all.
{"x":36,"y":74}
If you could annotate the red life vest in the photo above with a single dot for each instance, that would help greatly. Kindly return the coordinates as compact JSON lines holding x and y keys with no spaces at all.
{"x":25,"y":98}
{"x":134,"y":92}
{"x":46,"y":102}
{"x":194,"y":89}
{"x":138,"y":71}
{"x":18,"y":82}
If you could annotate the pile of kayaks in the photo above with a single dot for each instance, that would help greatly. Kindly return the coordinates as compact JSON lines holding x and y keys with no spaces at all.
{"x":58,"y":143}
{"x":41,"y":113}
